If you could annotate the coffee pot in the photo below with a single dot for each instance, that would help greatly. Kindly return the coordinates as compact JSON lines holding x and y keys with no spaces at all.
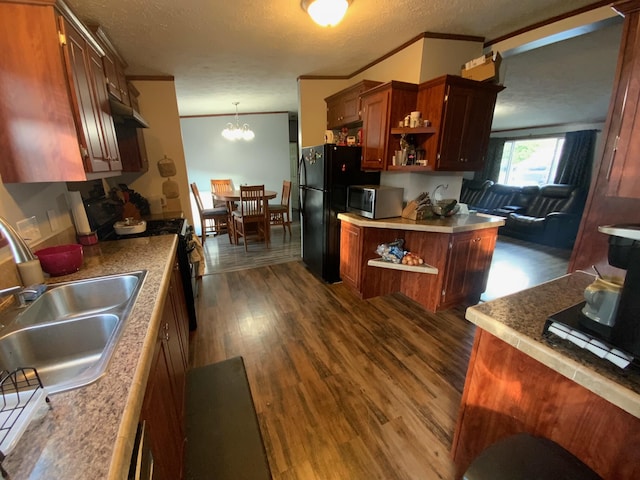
{"x":624,"y":252}
{"x":602,"y":298}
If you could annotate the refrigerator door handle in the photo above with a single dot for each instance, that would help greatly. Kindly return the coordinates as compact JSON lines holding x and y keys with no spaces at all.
{"x":301,"y":168}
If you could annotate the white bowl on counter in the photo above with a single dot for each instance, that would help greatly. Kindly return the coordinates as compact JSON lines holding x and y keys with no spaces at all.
{"x":128,"y":227}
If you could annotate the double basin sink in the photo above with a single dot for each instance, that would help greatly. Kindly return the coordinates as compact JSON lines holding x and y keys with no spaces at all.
{"x":70,"y":332}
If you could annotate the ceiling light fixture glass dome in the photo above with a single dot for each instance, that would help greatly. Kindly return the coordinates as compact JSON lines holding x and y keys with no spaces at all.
{"x":236,"y":132}
{"x":326,"y":13}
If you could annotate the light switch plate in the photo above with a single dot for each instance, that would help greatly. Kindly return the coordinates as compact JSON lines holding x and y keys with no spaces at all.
{"x":29,"y":230}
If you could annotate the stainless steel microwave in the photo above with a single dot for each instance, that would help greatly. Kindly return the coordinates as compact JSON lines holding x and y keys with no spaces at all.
{"x":375,"y":201}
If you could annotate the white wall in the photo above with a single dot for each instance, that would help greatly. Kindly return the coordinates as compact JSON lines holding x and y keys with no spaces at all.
{"x":159,"y":106}
{"x":263,"y":160}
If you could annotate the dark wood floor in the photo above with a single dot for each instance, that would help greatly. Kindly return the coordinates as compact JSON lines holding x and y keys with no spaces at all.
{"x":343,"y":388}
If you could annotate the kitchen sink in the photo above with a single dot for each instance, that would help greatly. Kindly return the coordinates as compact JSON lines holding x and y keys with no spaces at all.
{"x":81,"y":298}
{"x":70,"y":332}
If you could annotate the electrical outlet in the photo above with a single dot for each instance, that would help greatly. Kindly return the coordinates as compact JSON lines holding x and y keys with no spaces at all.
{"x":53,"y":220}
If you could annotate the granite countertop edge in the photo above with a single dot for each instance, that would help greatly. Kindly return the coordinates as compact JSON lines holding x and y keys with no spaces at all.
{"x":89,"y":432}
{"x":454,"y":224}
{"x":573,"y":363}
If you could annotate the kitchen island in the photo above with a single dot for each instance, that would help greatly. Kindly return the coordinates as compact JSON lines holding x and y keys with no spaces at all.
{"x":457,"y":252}
{"x":520,"y":380}
{"x":89,"y":432}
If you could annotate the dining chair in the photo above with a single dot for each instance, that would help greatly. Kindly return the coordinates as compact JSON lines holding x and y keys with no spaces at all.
{"x":221,"y":186}
{"x":212,"y":220}
{"x":252,"y":213}
{"x":279,"y":213}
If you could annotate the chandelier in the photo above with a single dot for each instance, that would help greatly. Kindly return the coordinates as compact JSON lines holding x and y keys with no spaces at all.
{"x":326,"y":13}
{"x":237,"y":132}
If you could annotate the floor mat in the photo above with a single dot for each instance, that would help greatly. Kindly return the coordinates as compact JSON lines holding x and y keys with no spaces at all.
{"x":223,"y":435}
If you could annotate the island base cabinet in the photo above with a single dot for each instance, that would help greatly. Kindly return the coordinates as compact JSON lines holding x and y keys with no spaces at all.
{"x":468,"y":264}
{"x":508,"y":392}
{"x":462,"y":260}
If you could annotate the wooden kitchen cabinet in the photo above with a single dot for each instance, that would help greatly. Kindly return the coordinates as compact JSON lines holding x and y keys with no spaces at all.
{"x":622,"y":148}
{"x":508,"y":392}
{"x":131,"y":144}
{"x":165,"y":433}
{"x":114,"y":66}
{"x":38,"y":136}
{"x":382,"y":108}
{"x":351,"y":254}
{"x":85,"y":71}
{"x":344,"y":107}
{"x":130,"y":139}
{"x":458,"y":264}
{"x":468,"y":263}
{"x":614,"y":196}
{"x":55,"y":123}
{"x":461,"y":112}
{"x":164,"y":404}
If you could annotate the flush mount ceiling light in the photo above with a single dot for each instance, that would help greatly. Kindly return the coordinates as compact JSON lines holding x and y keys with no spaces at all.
{"x":237,"y":132}
{"x":326,"y":13}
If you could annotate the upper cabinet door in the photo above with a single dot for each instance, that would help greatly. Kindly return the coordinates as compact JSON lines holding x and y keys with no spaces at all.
{"x":461,"y":111}
{"x":37,"y":131}
{"x":344,"y":107}
{"x":466,"y":129}
{"x":375,"y":131}
{"x":96,"y":131}
{"x":103,"y":108}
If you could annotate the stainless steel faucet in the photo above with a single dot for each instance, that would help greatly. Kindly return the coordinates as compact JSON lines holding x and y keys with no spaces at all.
{"x":17,"y":291}
{"x":21,"y":251}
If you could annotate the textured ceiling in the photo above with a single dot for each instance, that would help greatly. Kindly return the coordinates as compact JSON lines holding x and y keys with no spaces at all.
{"x":253,"y":51}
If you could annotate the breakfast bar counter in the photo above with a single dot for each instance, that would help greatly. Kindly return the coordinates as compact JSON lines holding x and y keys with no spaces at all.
{"x":453,"y":224}
{"x":456,"y":252}
{"x":89,"y":432}
{"x":521,"y":380}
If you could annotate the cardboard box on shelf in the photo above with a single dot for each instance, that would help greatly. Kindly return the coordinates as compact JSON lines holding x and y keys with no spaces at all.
{"x":488,"y":69}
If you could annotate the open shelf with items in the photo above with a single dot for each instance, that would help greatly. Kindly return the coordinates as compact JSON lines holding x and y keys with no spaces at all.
{"x":410,"y":168}
{"x":424,"y":268}
{"x":413,"y":131}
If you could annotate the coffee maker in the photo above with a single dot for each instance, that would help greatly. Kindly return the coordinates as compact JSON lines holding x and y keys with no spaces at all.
{"x":624,"y":252}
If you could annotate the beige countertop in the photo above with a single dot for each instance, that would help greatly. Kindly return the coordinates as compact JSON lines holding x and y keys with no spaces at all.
{"x":88,"y":433}
{"x":519,"y":319}
{"x":453,"y":224}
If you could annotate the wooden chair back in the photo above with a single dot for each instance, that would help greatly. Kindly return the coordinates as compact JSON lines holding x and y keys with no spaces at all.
{"x":220,"y":186}
{"x":196,"y":194}
{"x":212,"y":220}
{"x":286,"y":193}
{"x":252,"y":201}
{"x":280,"y":213}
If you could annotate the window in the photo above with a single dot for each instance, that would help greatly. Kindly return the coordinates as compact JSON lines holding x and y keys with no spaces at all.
{"x":530,"y":162}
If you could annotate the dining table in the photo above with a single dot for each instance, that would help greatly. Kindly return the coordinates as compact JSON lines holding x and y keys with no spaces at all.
{"x":233,"y":196}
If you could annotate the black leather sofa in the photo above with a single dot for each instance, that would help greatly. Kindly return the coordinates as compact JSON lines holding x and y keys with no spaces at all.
{"x":549,"y":215}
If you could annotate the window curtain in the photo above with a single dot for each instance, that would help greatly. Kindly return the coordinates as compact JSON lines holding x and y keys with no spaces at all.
{"x":491,"y":170}
{"x":576,"y":159}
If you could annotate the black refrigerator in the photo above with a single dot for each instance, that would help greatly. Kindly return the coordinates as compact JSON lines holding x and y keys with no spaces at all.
{"x":325,"y":172}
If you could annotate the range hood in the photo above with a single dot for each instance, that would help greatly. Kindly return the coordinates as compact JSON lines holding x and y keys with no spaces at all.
{"x":123,"y":112}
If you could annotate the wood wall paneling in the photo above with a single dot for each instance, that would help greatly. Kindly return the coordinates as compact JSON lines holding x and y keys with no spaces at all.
{"x":507,"y":392}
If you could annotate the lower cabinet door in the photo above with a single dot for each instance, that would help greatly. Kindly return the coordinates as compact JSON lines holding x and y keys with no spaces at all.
{"x":163,"y":426}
